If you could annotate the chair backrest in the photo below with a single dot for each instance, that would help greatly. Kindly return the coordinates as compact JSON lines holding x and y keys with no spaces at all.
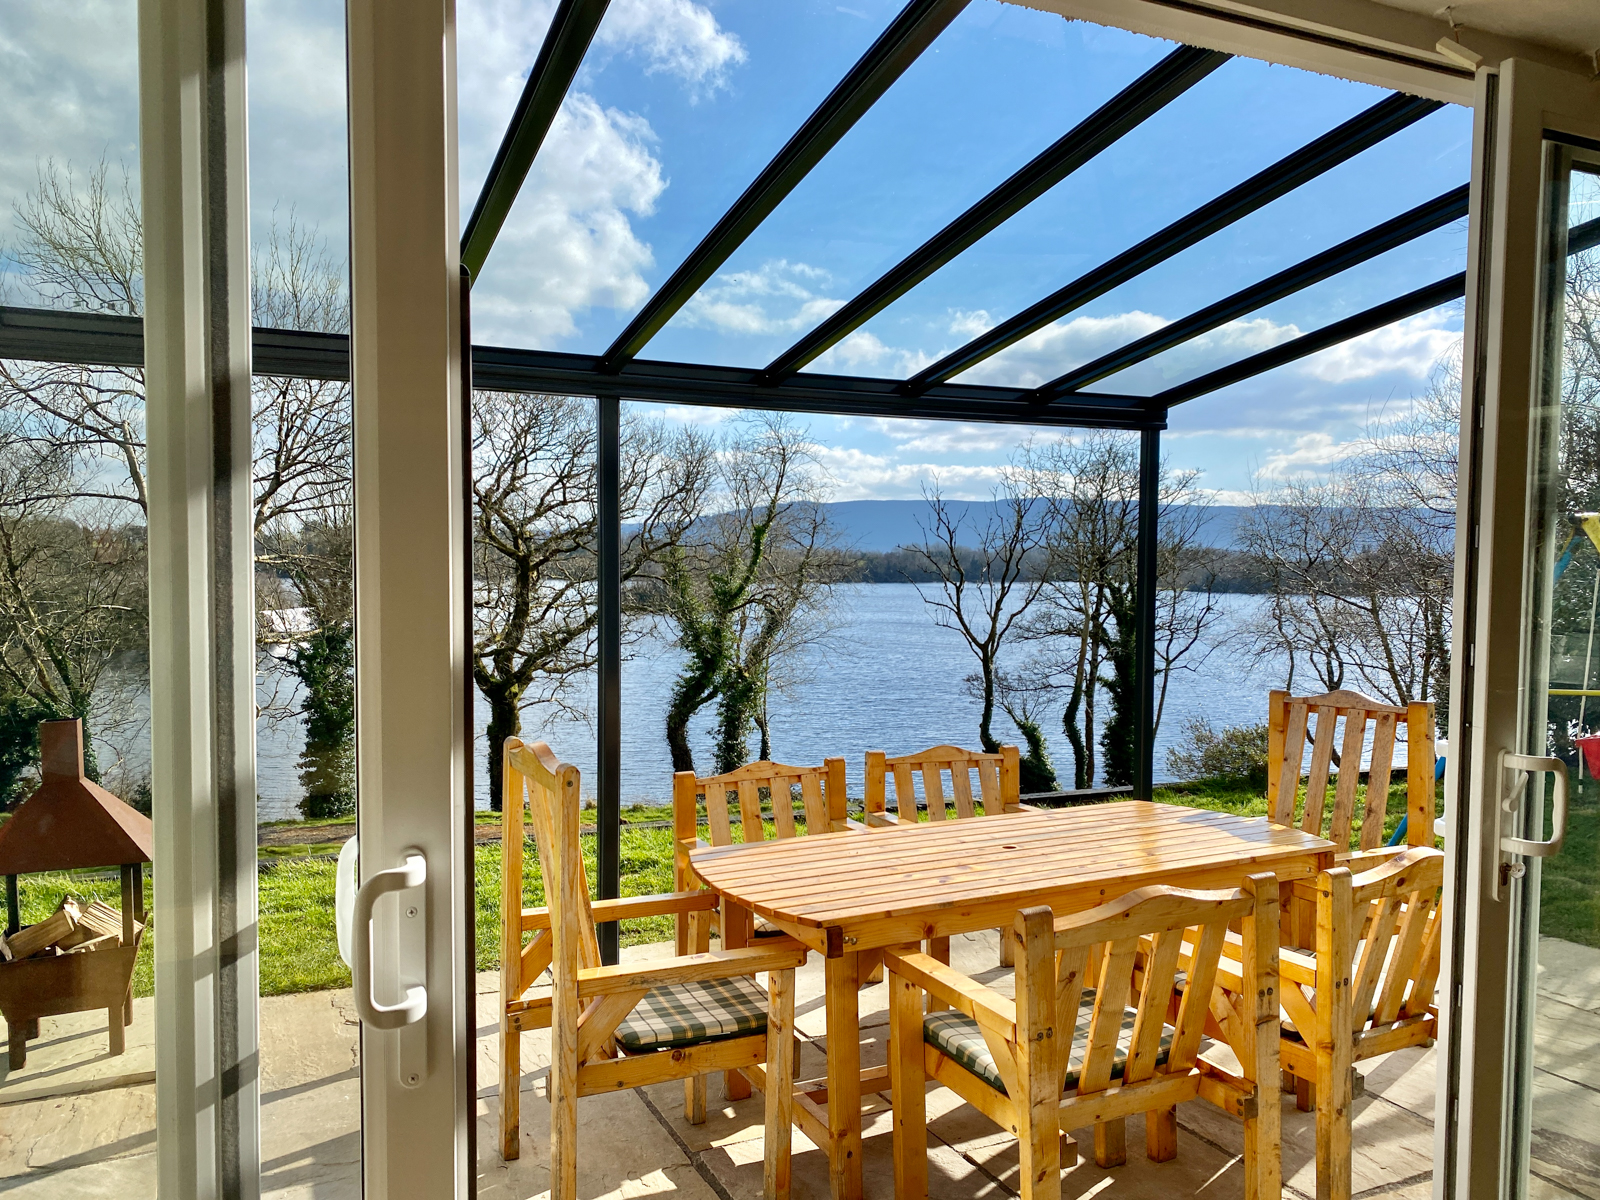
{"x":1343,"y":718}
{"x":1130,"y":951}
{"x":1387,"y":925}
{"x":536,"y":782}
{"x":998,"y":776}
{"x":821,"y":790}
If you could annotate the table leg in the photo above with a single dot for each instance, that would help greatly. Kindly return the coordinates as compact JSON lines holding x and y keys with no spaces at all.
{"x":844,"y":1076}
{"x":736,"y":927}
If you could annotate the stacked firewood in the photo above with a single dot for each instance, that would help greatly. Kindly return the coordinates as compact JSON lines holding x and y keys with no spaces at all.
{"x":74,"y":928}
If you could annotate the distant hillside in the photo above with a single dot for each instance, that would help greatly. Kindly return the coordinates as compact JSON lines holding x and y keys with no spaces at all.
{"x":878,"y":526}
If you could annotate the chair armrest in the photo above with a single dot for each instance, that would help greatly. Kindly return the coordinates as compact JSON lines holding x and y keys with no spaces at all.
{"x":983,"y":1004}
{"x":1295,"y":965}
{"x":690,"y":968}
{"x":881,"y":821}
{"x":627,"y":907}
{"x":663,"y":904}
{"x":1364,"y":860}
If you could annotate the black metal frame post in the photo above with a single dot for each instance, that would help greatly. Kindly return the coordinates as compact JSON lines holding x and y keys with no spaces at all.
{"x":1145,"y":603}
{"x":608,"y":599}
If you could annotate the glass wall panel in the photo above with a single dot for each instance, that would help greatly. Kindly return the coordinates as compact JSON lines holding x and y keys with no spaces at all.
{"x":77,"y":1095}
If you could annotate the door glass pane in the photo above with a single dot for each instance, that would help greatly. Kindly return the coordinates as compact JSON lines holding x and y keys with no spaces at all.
{"x":77,"y":1092}
{"x":1557,"y":1081}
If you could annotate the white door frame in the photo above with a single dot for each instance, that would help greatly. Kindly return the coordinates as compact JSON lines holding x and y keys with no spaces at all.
{"x":411,"y":741}
{"x":192,"y":172}
{"x":1516,"y":105}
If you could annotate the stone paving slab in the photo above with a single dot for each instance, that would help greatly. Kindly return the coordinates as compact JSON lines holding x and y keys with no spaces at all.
{"x":101,"y":1143}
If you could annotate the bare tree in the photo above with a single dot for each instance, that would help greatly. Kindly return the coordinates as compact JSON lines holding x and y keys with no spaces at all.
{"x":534,"y":541}
{"x":747,"y":588}
{"x":984,"y":596}
{"x":1087,"y":620}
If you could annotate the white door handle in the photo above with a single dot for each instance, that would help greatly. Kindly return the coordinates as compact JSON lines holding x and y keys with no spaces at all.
{"x":1510,"y":802}
{"x":413,"y":915}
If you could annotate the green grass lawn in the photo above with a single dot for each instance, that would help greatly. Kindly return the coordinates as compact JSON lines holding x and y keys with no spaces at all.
{"x":299,"y":950}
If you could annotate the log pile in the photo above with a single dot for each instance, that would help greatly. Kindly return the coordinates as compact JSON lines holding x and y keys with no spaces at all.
{"x":75,"y":927}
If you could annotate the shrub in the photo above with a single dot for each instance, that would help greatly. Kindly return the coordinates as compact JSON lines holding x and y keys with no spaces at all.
{"x":1236,"y":752}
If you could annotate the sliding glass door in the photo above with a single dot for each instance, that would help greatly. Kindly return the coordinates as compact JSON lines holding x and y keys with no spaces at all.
{"x":1525,"y":994}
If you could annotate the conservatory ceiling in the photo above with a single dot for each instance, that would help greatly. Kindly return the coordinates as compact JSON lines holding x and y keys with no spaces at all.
{"x":955,"y":209}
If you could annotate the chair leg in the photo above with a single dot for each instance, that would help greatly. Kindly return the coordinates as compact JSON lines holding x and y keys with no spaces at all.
{"x":1111,"y":1142}
{"x":1161,"y":1134}
{"x":118,"y":1040}
{"x":1333,"y":1129}
{"x":908,"y":1082}
{"x":510,"y":1093}
{"x":562,"y":1088}
{"x":1069,"y":1151}
{"x":694,"y":1099}
{"x":1305,"y":1094}
{"x":939,"y":951}
{"x":1008,"y":954}
{"x":780,"y":1084}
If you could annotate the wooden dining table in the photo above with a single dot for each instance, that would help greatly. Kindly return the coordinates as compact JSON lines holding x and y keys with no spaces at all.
{"x":850,"y":893}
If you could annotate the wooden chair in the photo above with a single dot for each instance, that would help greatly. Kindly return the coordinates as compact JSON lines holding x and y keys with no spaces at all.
{"x":1344,"y":717}
{"x":638,"y":1023}
{"x":999,"y":786}
{"x":822,"y":793}
{"x":1366,"y":989}
{"x":1102,"y":1027}
{"x":999,"y":783}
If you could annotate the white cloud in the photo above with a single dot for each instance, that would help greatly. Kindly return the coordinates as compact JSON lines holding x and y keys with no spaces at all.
{"x":970,"y":324}
{"x":568,"y":243}
{"x":1310,"y":454}
{"x":1409,"y":347}
{"x":858,"y":475}
{"x":675,"y":36}
{"x":778,"y":297}
{"x":1059,"y":346}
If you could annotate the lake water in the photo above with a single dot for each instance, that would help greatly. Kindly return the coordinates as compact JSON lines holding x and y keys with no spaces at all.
{"x":888,"y":679}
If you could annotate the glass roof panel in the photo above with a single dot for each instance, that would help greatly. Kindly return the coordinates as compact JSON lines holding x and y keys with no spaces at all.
{"x":1409,"y":169}
{"x":1000,"y":85}
{"x":676,"y":109}
{"x":1237,"y":122}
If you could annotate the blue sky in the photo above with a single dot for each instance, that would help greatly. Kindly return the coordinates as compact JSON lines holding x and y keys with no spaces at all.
{"x":680,"y":104}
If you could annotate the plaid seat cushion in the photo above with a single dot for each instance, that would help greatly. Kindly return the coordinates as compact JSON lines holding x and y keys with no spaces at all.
{"x":686,"y":1014}
{"x":957,"y":1037}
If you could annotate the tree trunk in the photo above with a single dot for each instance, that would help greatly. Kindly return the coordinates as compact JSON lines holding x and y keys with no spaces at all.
{"x":689,"y":695}
{"x":505,"y":721}
{"x":986,"y":721}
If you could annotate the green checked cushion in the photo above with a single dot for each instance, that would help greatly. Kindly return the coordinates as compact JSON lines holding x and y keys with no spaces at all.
{"x":686,"y":1014}
{"x":957,"y":1037}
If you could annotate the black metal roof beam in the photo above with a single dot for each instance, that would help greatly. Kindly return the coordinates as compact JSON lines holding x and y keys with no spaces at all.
{"x":1579,"y":238}
{"x":1384,"y":119}
{"x":1425,"y":218}
{"x":97,"y":340}
{"x":565,"y":43}
{"x":1145,"y":96}
{"x":907,"y":36}
{"x":499,"y":369}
